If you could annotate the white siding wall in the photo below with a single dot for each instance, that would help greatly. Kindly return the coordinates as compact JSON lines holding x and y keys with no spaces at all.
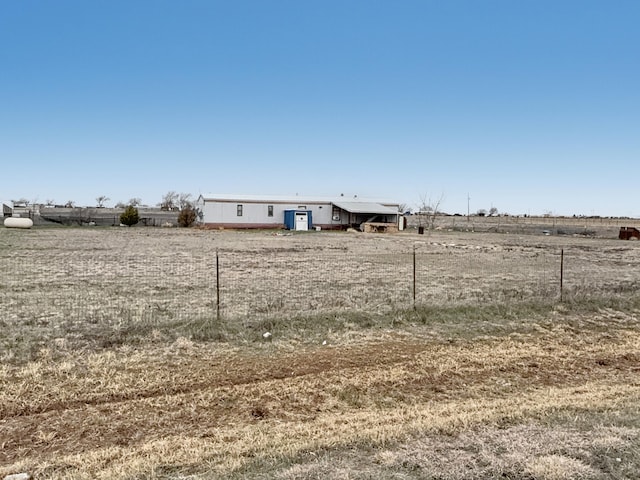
{"x":256,"y":213}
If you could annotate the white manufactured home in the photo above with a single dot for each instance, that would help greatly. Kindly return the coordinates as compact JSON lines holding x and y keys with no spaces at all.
{"x":297,"y":212}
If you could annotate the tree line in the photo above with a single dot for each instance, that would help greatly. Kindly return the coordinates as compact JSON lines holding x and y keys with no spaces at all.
{"x":171,"y":202}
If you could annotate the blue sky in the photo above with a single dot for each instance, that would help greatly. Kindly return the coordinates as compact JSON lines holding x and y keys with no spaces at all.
{"x":526,"y":106}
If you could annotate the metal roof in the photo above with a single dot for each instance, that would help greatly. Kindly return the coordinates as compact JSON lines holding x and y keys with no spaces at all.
{"x":366,"y":207}
{"x":299,"y":199}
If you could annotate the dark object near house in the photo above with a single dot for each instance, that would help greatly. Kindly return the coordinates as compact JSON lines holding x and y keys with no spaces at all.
{"x":628,"y":232}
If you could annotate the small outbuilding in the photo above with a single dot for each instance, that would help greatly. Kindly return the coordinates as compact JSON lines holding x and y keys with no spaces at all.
{"x":298,"y":212}
{"x":7,"y":211}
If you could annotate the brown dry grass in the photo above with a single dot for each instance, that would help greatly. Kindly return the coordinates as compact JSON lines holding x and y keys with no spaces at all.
{"x":550,"y":395}
{"x":201,"y":409}
{"x":102,"y":287}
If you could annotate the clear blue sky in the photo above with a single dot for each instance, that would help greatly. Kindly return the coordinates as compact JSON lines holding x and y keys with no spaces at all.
{"x":529,"y":106}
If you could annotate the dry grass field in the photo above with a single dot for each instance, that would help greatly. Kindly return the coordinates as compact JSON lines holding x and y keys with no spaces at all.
{"x":489,"y":377}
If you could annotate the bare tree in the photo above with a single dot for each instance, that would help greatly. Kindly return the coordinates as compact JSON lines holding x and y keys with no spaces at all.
{"x":70,"y":204}
{"x":101,"y":200}
{"x":428,"y":210}
{"x":50,"y":202}
{"x":169,"y":201}
{"x":20,"y":202}
{"x":493,"y":211}
{"x":184,"y":200}
{"x":134,"y":202}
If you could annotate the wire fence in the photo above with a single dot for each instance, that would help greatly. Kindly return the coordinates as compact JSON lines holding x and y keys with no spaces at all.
{"x":114,"y":289}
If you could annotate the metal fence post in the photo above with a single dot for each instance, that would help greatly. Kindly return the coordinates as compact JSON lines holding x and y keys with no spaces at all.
{"x":217,"y":287}
{"x":561,"y":273}
{"x":414,"y":277}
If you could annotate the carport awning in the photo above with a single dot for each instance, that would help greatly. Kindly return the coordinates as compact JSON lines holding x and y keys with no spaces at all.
{"x":366,"y":207}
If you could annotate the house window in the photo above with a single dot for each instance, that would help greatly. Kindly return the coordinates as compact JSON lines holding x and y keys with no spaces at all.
{"x":270,"y":210}
{"x":336,"y":214}
{"x":239,"y":210}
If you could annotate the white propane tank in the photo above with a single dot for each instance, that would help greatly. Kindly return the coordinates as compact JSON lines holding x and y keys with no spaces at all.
{"x":17,"y":222}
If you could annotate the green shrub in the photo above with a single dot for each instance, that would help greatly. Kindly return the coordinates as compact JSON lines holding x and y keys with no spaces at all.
{"x":130,"y":216}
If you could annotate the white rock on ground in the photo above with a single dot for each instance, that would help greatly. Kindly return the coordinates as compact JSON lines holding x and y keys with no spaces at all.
{"x":18,"y":476}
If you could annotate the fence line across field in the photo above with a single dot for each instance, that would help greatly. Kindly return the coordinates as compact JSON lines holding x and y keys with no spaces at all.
{"x":117,"y":290}
{"x":379,"y":282}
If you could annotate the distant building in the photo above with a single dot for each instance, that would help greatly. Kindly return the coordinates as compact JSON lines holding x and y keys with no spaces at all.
{"x":7,"y":211}
{"x":20,"y":209}
{"x":296,"y":212}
